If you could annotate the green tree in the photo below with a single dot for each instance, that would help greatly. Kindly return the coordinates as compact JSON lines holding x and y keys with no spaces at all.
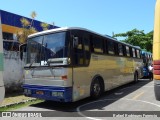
{"x":149,"y":43}
{"x":137,"y":38}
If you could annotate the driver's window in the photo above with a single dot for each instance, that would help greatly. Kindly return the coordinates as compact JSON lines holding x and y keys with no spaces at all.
{"x":79,"y":53}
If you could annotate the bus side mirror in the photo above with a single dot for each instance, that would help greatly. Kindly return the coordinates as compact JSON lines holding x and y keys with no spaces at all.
{"x":75,"y":42}
{"x":22,"y":49}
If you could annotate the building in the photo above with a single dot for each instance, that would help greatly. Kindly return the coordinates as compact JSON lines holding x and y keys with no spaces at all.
{"x":11,"y":23}
{"x":13,"y":66}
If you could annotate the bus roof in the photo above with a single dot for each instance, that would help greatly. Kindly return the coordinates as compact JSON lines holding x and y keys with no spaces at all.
{"x":77,"y":28}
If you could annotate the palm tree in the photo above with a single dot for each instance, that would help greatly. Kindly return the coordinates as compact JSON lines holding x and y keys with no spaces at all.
{"x":45,"y":26}
{"x":27,"y":29}
{"x":33,"y":15}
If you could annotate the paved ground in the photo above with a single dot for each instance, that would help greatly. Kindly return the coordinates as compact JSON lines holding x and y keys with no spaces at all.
{"x":128,"y":99}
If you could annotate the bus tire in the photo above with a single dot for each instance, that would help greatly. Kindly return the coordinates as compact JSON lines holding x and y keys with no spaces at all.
{"x":96,"y":88}
{"x":136,"y":77}
{"x":156,"y":91}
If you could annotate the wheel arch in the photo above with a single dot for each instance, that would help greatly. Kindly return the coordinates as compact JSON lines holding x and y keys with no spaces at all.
{"x":100,"y":79}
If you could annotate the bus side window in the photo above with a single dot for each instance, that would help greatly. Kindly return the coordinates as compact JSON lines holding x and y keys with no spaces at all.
{"x":82,"y":50}
{"x":133,"y":52}
{"x":124,"y":50}
{"x":79,"y":54}
{"x":116,"y":48}
{"x":111,"y":47}
{"x":138,"y":53}
{"x":98,"y":45}
{"x":127,"y":51}
{"x":106,"y":46}
{"x":120,"y":50}
{"x":87,"y":55}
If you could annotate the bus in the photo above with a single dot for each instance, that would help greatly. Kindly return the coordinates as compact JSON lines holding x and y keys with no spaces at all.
{"x":2,"y":89}
{"x":147,"y":60}
{"x":156,"y":51}
{"x":68,"y":64}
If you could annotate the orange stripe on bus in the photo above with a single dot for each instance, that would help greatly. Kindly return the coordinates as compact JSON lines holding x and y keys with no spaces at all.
{"x":157,"y":77}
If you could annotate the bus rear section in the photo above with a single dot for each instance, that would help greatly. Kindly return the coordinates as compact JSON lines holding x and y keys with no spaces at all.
{"x":156,"y":51}
{"x":147,"y":67}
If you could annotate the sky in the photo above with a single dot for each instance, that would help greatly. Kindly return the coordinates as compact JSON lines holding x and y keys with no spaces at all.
{"x":101,"y":16}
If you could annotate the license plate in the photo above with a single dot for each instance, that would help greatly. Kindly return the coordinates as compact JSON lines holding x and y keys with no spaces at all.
{"x":40,"y":92}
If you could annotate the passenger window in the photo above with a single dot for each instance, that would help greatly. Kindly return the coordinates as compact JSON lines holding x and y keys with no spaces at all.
{"x":111,"y":47}
{"x":133,"y":52}
{"x":127,"y":51}
{"x":79,"y":54}
{"x":120,"y":49}
{"x":82,"y":50}
{"x":138,"y":53}
{"x":98,"y":45}
{"x":87,"y":55}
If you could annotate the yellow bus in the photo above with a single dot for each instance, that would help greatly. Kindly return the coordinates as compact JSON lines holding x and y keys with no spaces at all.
{"x":156,"y":51}
{"x":69,"y":64}
{"x":2,"y":89}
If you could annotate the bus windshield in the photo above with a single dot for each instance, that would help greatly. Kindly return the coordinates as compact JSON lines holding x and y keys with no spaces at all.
{"x":42,"y":48}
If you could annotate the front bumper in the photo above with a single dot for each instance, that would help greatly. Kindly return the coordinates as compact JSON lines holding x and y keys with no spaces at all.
{"x":46,"y":92}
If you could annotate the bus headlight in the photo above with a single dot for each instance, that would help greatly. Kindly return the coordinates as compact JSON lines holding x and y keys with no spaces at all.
{"x":27,"y":91}
{"x":60,"y":94}
{"x":57,"y":94}
{"x":54,"y":93}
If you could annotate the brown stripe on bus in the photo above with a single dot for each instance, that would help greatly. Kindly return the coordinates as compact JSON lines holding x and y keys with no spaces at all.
{"x":156,"y":62}
{"x":156,"y":67}
{"x":156,"y":72}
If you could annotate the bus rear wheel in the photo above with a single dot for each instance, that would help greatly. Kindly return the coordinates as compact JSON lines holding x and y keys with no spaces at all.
{"x":96,"y":89}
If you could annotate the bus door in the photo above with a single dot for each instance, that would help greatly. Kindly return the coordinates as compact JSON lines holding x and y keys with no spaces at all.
{"x":81,"y":69}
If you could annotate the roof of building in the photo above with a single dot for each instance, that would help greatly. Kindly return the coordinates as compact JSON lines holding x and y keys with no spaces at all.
{"x":12,"y":19}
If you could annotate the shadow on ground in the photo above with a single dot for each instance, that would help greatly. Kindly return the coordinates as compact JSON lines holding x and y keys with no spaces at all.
{"x":71,"y":107}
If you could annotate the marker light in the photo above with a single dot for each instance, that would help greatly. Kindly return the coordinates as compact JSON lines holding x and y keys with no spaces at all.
{"x":64,"y":77}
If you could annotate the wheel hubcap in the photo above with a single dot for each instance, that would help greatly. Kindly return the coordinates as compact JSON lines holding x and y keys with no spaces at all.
{"x":96,"y":89}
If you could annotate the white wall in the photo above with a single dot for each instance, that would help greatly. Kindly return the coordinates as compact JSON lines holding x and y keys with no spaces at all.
{"x":13,"y":70}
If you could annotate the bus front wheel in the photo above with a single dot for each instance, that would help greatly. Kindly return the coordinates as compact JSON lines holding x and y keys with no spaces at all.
{"x":96,"y":89}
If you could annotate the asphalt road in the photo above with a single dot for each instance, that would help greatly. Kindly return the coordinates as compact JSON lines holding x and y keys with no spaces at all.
{"x":131,"y":101}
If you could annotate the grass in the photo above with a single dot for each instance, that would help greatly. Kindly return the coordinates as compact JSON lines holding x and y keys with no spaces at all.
{"x":20,"y":105}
